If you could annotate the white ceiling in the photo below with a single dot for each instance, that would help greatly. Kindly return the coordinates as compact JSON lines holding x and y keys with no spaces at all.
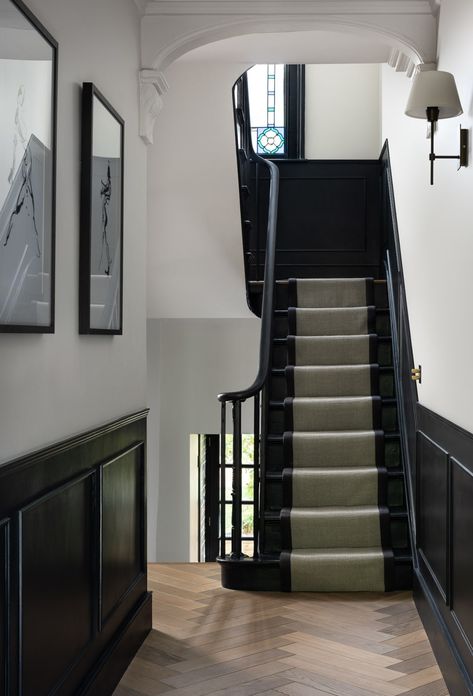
{"x":294,"y":47}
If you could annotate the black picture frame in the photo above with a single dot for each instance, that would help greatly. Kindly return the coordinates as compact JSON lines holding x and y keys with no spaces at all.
{"x":28,"y":206}
{"x":101,"y":217}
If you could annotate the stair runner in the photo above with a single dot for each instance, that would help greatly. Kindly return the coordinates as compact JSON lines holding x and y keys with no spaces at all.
{"x":335,"y":523}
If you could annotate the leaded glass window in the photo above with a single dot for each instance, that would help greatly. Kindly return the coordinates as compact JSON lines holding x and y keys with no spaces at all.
{"x":266,"y":90}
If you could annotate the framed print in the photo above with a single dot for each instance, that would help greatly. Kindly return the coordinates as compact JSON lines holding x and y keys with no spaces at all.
{"x":101,"y":234}
{"x":28,"y":103}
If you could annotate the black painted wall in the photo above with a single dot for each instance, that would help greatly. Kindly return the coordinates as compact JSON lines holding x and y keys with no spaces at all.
{"x":72,"y":547}
{"x":329,"y":222}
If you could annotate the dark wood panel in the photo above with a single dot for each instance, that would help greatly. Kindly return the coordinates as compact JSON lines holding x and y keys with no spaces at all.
{"x":4,"y":602}
{"x":53,"y":617}
{"x":323,"y":214}
{"x":450,"y":625}
{"x":462,"y":537}
{"x":122,"y":519}
{"x":432,"y":501}
{"x":57,"y":572}
{"x":329,"y":217}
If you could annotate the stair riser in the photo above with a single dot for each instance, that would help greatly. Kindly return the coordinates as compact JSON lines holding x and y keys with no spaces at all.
{"x":388,"y":420}
{"x":281,"y":296}
{"x":384,"y":355}
{"x":278,"y":387}
{"x":398,"y":528}
{"x":382,"y":326}
{"x":274,"y":494}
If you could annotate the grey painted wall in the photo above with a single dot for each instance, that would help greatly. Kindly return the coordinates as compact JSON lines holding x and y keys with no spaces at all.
{"x":56,"y":385}
{"x":189,"y":362}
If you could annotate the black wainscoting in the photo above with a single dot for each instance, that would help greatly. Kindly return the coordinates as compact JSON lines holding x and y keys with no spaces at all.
{"x":4,"y":582}
{"x":445,"y":537}
{"x":74,"y":605}
{"x":329,"y":219}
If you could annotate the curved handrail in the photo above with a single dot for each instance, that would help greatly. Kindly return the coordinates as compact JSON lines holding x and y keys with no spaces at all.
{"x":268,"y":290}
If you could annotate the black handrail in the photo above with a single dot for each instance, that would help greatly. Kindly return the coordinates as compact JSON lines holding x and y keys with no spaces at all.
{"x":236,"y":398}
{"x":268,"y":291}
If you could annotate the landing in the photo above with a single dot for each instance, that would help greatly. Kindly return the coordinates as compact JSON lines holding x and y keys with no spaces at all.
{"x":210,"y":641}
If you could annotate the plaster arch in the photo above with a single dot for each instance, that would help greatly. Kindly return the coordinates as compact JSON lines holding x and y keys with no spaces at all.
{"x":170,"y":30}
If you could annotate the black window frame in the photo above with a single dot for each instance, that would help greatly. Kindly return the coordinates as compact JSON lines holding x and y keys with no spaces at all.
{"x":294,"y":113}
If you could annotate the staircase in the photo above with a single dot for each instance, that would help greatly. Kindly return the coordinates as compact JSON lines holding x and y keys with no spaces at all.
{"x":341,"y":481}
{"x":332,"y":499}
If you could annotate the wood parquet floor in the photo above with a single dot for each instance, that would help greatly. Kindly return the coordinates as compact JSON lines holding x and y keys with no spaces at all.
{"x":207,"y":640}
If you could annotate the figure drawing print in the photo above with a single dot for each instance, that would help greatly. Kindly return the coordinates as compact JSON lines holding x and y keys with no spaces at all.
{"x":106,"y":195}
{"x":20,"y":136}
{"x":25,"y":203}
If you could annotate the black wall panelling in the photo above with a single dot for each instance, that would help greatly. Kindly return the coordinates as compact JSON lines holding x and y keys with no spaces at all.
{"x":445,"y":537}
{"x":56,"y":561}
{"x":432,"y":497}
{"x":329,"y":217}
{"x":73,"y":588}
{"x":4,"y":602}
{"x":122,"y":528}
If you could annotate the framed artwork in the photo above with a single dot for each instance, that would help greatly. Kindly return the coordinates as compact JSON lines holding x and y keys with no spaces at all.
{"x":28,"y":98}
{"x":101,"y":233}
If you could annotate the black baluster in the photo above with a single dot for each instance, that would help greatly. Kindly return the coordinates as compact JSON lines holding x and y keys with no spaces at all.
{"x":236,"y":483}
{"x":223,"y":429}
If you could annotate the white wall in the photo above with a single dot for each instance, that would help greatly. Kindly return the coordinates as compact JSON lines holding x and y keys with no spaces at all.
{"x":435,"y":224}
{"x":53,"y":386}
{"x":342,"y":111}
{"x":195,"y":260}
{"x":191,"y":361}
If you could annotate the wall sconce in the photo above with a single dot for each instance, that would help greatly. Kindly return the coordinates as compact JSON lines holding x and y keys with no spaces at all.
{"x":434,"y":95}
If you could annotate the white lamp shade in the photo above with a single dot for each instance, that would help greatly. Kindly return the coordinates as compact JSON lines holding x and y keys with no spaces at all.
{"x":434,"y":88}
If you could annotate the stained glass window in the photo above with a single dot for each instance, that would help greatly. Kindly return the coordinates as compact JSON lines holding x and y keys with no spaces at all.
{"x":267,"y":114}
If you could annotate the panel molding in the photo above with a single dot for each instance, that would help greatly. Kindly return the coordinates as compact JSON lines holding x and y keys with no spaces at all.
{"x":5,"y":600}
{"x":20,"y":559}
{"x":138,"y":448}
{"x":39,"y":478}
{"x":420,"y":508}
{"x":446,"y":625}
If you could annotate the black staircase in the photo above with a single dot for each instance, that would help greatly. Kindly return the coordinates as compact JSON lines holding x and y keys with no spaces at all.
{"x":331,"y":219}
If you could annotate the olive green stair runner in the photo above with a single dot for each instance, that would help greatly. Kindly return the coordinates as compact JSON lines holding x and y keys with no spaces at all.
{"x":335,"y":523}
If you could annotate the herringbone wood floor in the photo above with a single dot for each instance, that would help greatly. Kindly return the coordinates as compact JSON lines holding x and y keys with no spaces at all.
{"x":207,"y":640}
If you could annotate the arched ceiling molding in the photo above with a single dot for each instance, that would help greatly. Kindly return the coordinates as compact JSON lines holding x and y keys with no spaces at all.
{"x":171,"y":28}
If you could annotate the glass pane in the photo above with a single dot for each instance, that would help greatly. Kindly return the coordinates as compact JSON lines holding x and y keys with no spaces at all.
{"x":247,"y":449}
{"x":247,"y":512}
{"x":267,"y":117}
{"x":228,"y":547}
{"x":247,"y":547}
{"x":228,"y":449}
{"x":26,"y":171}
{"x":247,"y":484}
{"x":228,"y":483}
{"x":228,"y":519}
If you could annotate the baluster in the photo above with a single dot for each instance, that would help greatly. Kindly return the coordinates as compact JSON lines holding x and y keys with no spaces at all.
{"x":223,"y":432}
{"x":236,"y":483}
{"x":256,"y":474}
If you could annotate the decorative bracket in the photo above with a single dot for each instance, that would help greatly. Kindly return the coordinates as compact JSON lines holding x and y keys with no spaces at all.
{"x":153,"y":85}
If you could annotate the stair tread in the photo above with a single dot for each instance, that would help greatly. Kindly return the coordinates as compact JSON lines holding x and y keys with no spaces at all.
{"x":278,"y":439}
